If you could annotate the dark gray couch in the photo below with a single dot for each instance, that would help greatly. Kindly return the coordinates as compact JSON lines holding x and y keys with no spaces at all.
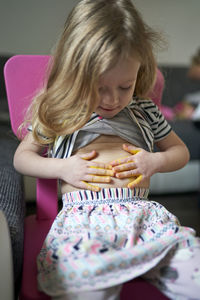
{"x":11,"y":185}
{"x":11,"y":200}
{"x":177,"y":85}
{"x":187,"y":179}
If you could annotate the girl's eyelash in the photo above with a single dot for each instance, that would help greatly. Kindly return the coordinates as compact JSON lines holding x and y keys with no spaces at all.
{"x":125,"y":88}
{"x":101,"y":89}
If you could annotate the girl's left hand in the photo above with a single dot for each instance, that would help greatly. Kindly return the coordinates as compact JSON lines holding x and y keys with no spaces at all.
{"x":140,"y":165}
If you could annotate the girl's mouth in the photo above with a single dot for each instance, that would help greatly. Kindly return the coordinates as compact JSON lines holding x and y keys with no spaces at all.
{"x":108,"y":109}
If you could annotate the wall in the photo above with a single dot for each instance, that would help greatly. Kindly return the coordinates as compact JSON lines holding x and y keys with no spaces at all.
{"x":31,"y":27}
{"x":180,"y":20}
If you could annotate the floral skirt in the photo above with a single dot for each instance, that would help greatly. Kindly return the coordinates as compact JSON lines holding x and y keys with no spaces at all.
{"x":102,"y":239}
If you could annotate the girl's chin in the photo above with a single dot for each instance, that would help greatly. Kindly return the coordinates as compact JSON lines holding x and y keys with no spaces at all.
{"x":107,"y":113}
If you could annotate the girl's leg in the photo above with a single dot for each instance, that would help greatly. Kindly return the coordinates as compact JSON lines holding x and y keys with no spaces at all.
{"x":112,"y":293}
{"x":178,"y":275}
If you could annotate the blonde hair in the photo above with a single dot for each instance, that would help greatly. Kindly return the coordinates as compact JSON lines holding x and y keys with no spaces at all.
{"x":96,"y":34}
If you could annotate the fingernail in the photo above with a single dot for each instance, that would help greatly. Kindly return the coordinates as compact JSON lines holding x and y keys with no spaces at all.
{"x":97,"y":189}
{"x":111,"y":173}
{"x":130,"y":186}
{"x":107,"y":179}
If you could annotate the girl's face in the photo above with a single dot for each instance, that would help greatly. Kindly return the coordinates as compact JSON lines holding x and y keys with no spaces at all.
{"x":116,"y":87}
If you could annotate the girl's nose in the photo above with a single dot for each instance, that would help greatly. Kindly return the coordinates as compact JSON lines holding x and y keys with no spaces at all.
{"x":109,"y":97}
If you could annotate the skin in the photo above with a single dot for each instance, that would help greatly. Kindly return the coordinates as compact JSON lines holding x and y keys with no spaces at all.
{"x":194,"y":72}
{"x":109,"y":160}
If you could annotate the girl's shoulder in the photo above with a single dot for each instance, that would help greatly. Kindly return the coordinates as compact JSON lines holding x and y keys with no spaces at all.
{"x":147,"y":107}
{"x":149,"y":112}
{"x":145,"y":104}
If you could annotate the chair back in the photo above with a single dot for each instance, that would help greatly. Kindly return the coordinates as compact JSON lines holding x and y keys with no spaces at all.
{"x":157,"y":91}
{"x":24,"y":76}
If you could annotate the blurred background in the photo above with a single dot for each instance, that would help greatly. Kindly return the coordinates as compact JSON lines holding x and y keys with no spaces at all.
{"x":32,"y":27}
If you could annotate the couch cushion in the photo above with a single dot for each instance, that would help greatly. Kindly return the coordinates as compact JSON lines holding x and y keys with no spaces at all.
{"x":177,"y":84}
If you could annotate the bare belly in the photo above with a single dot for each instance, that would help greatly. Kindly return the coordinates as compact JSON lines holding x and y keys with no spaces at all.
{"x":108,"y":148}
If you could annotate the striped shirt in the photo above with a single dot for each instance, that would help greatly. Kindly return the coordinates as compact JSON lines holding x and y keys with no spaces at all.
{"x":140,"y":123}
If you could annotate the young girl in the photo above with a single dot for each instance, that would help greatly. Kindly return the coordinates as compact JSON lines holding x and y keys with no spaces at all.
{"x":100,"y":126}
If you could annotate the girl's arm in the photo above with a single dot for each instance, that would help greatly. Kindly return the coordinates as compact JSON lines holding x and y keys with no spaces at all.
{"x":172,"y":156}
{"x":75,"y":170}
{"x":28,"y":160}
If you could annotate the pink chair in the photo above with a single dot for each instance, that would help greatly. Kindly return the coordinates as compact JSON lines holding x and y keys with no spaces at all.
{"x":157,"y":92}
{"x":24,"y":76}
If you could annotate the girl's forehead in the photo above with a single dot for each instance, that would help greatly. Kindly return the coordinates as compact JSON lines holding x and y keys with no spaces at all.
{"x":124,"y":70}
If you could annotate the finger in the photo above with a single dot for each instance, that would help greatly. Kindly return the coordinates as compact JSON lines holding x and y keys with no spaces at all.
{"x":89,"y":155}
{"x":94,"y":178}
{"x":124,"y":167}
{"x":127,"y":174}
{"x":131,"y":149}
{"x":135,"y":182}
{"x":90,"y":187}
{"x":98,"y":165}
{"x":121,"y":160}
{"x":101,"y":171}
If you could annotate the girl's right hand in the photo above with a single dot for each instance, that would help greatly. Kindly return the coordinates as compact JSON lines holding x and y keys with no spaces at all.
{"x":78,"y":170}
